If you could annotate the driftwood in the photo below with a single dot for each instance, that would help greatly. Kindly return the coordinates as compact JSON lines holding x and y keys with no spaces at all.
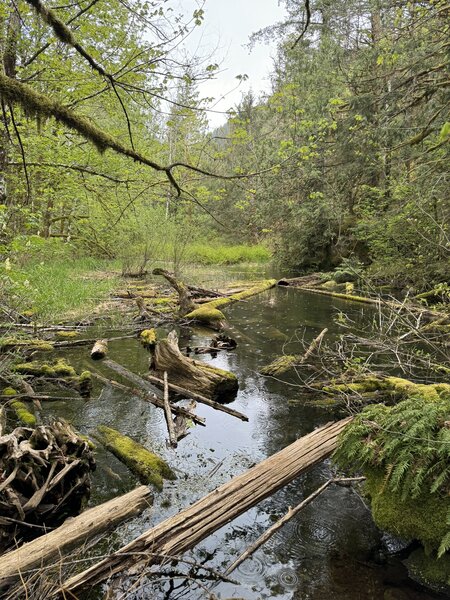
{"x":149,"y":397}
{"x":190,"y":374}
{"x":284,"y":363}
{"x":45,"y":476}
{"x":168,"y":414}
{"x":202,"y":399}
{"x":185,"y":300}
{"x":71,"y":533}
{"x":88,"y":342}
{"x":292,"y":512}
{"x":193,"y":524}
{"x":144,"y":312}
{"x":99,"y":350}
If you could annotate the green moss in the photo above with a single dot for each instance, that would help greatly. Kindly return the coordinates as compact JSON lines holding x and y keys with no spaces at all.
{"x":150,"y":468}
{"x":8,"y":343}
{"x":148,"y":338}
{"x":9,"y":391}
{"x":59,"y":368}
{"x":23,"y":414}
{"x":206,"y":314}
{"x":423,"y":518}
{"x":88,"y":440}
{"x":67,"y":334}
{"x":429,"y":570}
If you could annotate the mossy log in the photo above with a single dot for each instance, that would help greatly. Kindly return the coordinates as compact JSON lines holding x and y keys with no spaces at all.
{"x":401,"y":388}
{"x":149,"y":467}
{"x":190,"y":374}
{"x":209,"y":313}
{"x":284,"y":363}
{"x":61,"y":372}
{"x":45,"y":476}
{"x":99,"y":349}
{"x":19,"y":343}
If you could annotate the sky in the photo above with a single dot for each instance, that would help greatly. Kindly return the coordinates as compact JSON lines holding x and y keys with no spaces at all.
{"x":225,"y":32}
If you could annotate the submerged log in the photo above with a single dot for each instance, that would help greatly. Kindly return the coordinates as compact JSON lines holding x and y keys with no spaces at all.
{"x":71,"y":533}
{"x":168,"y":414}
{"x":99,"y":350}
{"x":193,"y":524}
{"x":45,"y":476}
{"x":185,"y":301}
{"x":284,"y":363}
{"x":149,"y":467}
{"x":192,"y":375}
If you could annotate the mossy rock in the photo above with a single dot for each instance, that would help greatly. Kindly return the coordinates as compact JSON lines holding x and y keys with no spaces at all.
{"x":423,"y":518}
{"x":429,"y":570}
{"x":59,"y":368}
{"x":26,"y":417}
{"x":82,"y":383}
{"x":280,"y":365}
{"x":149,"y":467}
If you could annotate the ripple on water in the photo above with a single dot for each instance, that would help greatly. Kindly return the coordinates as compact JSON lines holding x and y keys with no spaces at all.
{"x":252,"y":569}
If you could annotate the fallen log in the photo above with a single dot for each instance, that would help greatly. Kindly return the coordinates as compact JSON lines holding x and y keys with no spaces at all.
{"x":71,"y":533}
{"x":183,"y":531}
{"x":185,"y":301}
{"x":192,"y":375}
{"x":151,"y":398}
{"x":202,"y":399}
{"x":99,"y":350}
{"x":181,"y":424}
{"x":284,"y":363}
{"x":88,"y":342}
{"x":148,"y":466}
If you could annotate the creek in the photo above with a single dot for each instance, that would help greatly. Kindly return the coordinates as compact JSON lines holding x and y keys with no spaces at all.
{"x":332,"y":549}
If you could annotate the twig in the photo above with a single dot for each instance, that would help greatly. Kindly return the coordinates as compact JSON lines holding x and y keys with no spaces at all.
{"x":287,"y":517}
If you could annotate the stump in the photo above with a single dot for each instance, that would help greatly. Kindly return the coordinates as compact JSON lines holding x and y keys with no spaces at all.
{"x":45,"y":477}
{"x":190,"y":374}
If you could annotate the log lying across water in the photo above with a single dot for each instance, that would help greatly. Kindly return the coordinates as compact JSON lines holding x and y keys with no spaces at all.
{"x":72,"y":533}
{"x":193,"y":524}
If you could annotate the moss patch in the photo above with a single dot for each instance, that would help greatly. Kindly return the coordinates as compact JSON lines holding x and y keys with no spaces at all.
{"x":67,"y":334}
{"x":280,"y":365}
{"x":23,"y":414}
{"x":59,"y":368}
{"x":423,"y":518}
{"x":9,"y":343}
{"x":148,"y":338}
{"x":149,"y":467}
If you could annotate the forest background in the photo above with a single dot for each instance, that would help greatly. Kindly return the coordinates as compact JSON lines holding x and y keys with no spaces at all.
{"x":346,"y":159}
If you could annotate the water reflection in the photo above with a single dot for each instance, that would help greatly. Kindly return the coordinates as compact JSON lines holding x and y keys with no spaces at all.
{"x":327,"y":551}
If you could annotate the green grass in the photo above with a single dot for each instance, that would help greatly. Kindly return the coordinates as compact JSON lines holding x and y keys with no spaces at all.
{"x":206,"y":254}
{"x":63,"y":288}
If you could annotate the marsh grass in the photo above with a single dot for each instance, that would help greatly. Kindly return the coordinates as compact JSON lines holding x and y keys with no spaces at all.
{"x":64,"y":288}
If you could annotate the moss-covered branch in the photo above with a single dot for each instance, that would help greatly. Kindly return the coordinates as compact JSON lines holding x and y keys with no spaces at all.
{"x":149,"y":467}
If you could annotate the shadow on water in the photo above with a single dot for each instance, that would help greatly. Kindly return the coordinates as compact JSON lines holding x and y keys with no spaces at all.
{"x":331,"y":550}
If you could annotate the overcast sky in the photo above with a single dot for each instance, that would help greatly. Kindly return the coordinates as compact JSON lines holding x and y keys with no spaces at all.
{"x":227,"y":27}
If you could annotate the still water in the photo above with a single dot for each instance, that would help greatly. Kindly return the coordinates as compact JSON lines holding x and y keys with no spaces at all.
{"x":332,"y":549}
